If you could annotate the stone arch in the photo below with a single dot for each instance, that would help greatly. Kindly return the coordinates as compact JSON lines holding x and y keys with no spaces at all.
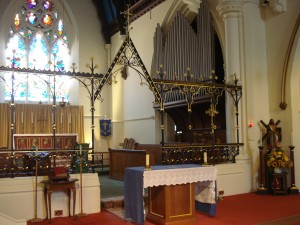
{"x":293,"y":87}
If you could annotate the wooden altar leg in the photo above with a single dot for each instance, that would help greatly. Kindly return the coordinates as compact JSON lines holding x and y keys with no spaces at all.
{"x":172,"y":205}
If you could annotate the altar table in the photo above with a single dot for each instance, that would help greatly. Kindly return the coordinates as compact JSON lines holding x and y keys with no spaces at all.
{"x":182,"y":177}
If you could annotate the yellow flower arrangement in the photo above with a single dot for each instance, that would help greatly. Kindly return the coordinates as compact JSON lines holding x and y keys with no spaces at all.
{"x":278,"y":159}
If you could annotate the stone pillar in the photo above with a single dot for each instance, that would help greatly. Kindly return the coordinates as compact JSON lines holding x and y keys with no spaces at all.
{"x":231,"y":11}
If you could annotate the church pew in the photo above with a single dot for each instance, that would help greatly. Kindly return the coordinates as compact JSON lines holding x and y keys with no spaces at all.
{"x":120,"y":159}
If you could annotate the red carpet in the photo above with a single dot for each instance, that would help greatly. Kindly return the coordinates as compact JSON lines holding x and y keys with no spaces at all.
{"x":253,"y":209}
{"x":245,"y":209}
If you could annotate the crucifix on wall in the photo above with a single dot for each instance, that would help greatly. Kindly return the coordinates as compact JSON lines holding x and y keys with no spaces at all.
{"x":41,"y":120}
{"x":273,"y":134}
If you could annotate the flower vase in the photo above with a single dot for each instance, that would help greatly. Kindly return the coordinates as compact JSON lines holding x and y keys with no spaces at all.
{"x":277,"y":170}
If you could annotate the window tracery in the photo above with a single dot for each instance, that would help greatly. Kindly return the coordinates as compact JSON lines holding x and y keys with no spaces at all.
{"x":37,"y":40}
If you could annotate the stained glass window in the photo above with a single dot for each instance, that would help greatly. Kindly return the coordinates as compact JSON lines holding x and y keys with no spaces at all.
{"x":47,"y":20}
{"x":38,"y":53}
{"x":17,"y":21}
{"x":32,"y":4}
{"x":37,"y":41}
{"x":47,"y":5}
{"x":31,"y":17}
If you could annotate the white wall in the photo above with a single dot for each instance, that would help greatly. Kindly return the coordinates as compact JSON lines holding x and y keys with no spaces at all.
{"x":293,"y":91}
{"x":17,"y":197}
{"x":279,"y":28}
{"x":255,"y":90}
{"x":138,"y":113}
{"x":91,"y":44}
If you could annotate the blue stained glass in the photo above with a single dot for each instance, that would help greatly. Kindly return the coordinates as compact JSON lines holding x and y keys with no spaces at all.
{"x":19,"y":87}
{"x":65,"y":39}
{"x":48,"y":34}
{"x":30,"y":32}
{"x":61,"y":87}
{"x":34,"y":51}
{"x":16,"y":52}
{"x":32,"y":4}
{"x":38,"y":53}
{"x":60,"y":54}
{"x":22,"y":33}
{"x":31,"y":17}
{"x":38,"y":88}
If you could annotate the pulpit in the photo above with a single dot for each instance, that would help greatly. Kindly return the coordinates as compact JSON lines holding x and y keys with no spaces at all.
{"x":167,"y":186}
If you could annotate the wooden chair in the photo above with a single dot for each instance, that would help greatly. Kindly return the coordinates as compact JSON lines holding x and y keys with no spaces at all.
{"x":125,"y":143}
{"x":131,"y":143}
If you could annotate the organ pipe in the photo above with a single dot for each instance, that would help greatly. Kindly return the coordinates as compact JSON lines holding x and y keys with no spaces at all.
{"x":181,"y":47}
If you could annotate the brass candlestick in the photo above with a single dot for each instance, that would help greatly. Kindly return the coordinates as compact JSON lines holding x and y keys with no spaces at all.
{"x":35,"y":219}
{"x":81,"y":214}
{"x":205,"y":163}
{"x":147,"y":167}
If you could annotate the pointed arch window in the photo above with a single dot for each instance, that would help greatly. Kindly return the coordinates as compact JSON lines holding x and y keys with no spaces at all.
{"x":37,"y":40}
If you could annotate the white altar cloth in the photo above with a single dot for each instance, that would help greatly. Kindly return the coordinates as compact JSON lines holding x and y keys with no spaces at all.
{"x":173,"y":176}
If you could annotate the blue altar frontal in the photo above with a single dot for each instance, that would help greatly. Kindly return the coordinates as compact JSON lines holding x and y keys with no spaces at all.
{"x":137,"y":178}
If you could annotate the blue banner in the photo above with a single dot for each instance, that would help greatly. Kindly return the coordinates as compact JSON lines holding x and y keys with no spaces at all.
{"x":105,"y":127}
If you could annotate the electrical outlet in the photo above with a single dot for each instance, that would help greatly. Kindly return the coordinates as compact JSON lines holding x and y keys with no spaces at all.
{"x":58,"y":212}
